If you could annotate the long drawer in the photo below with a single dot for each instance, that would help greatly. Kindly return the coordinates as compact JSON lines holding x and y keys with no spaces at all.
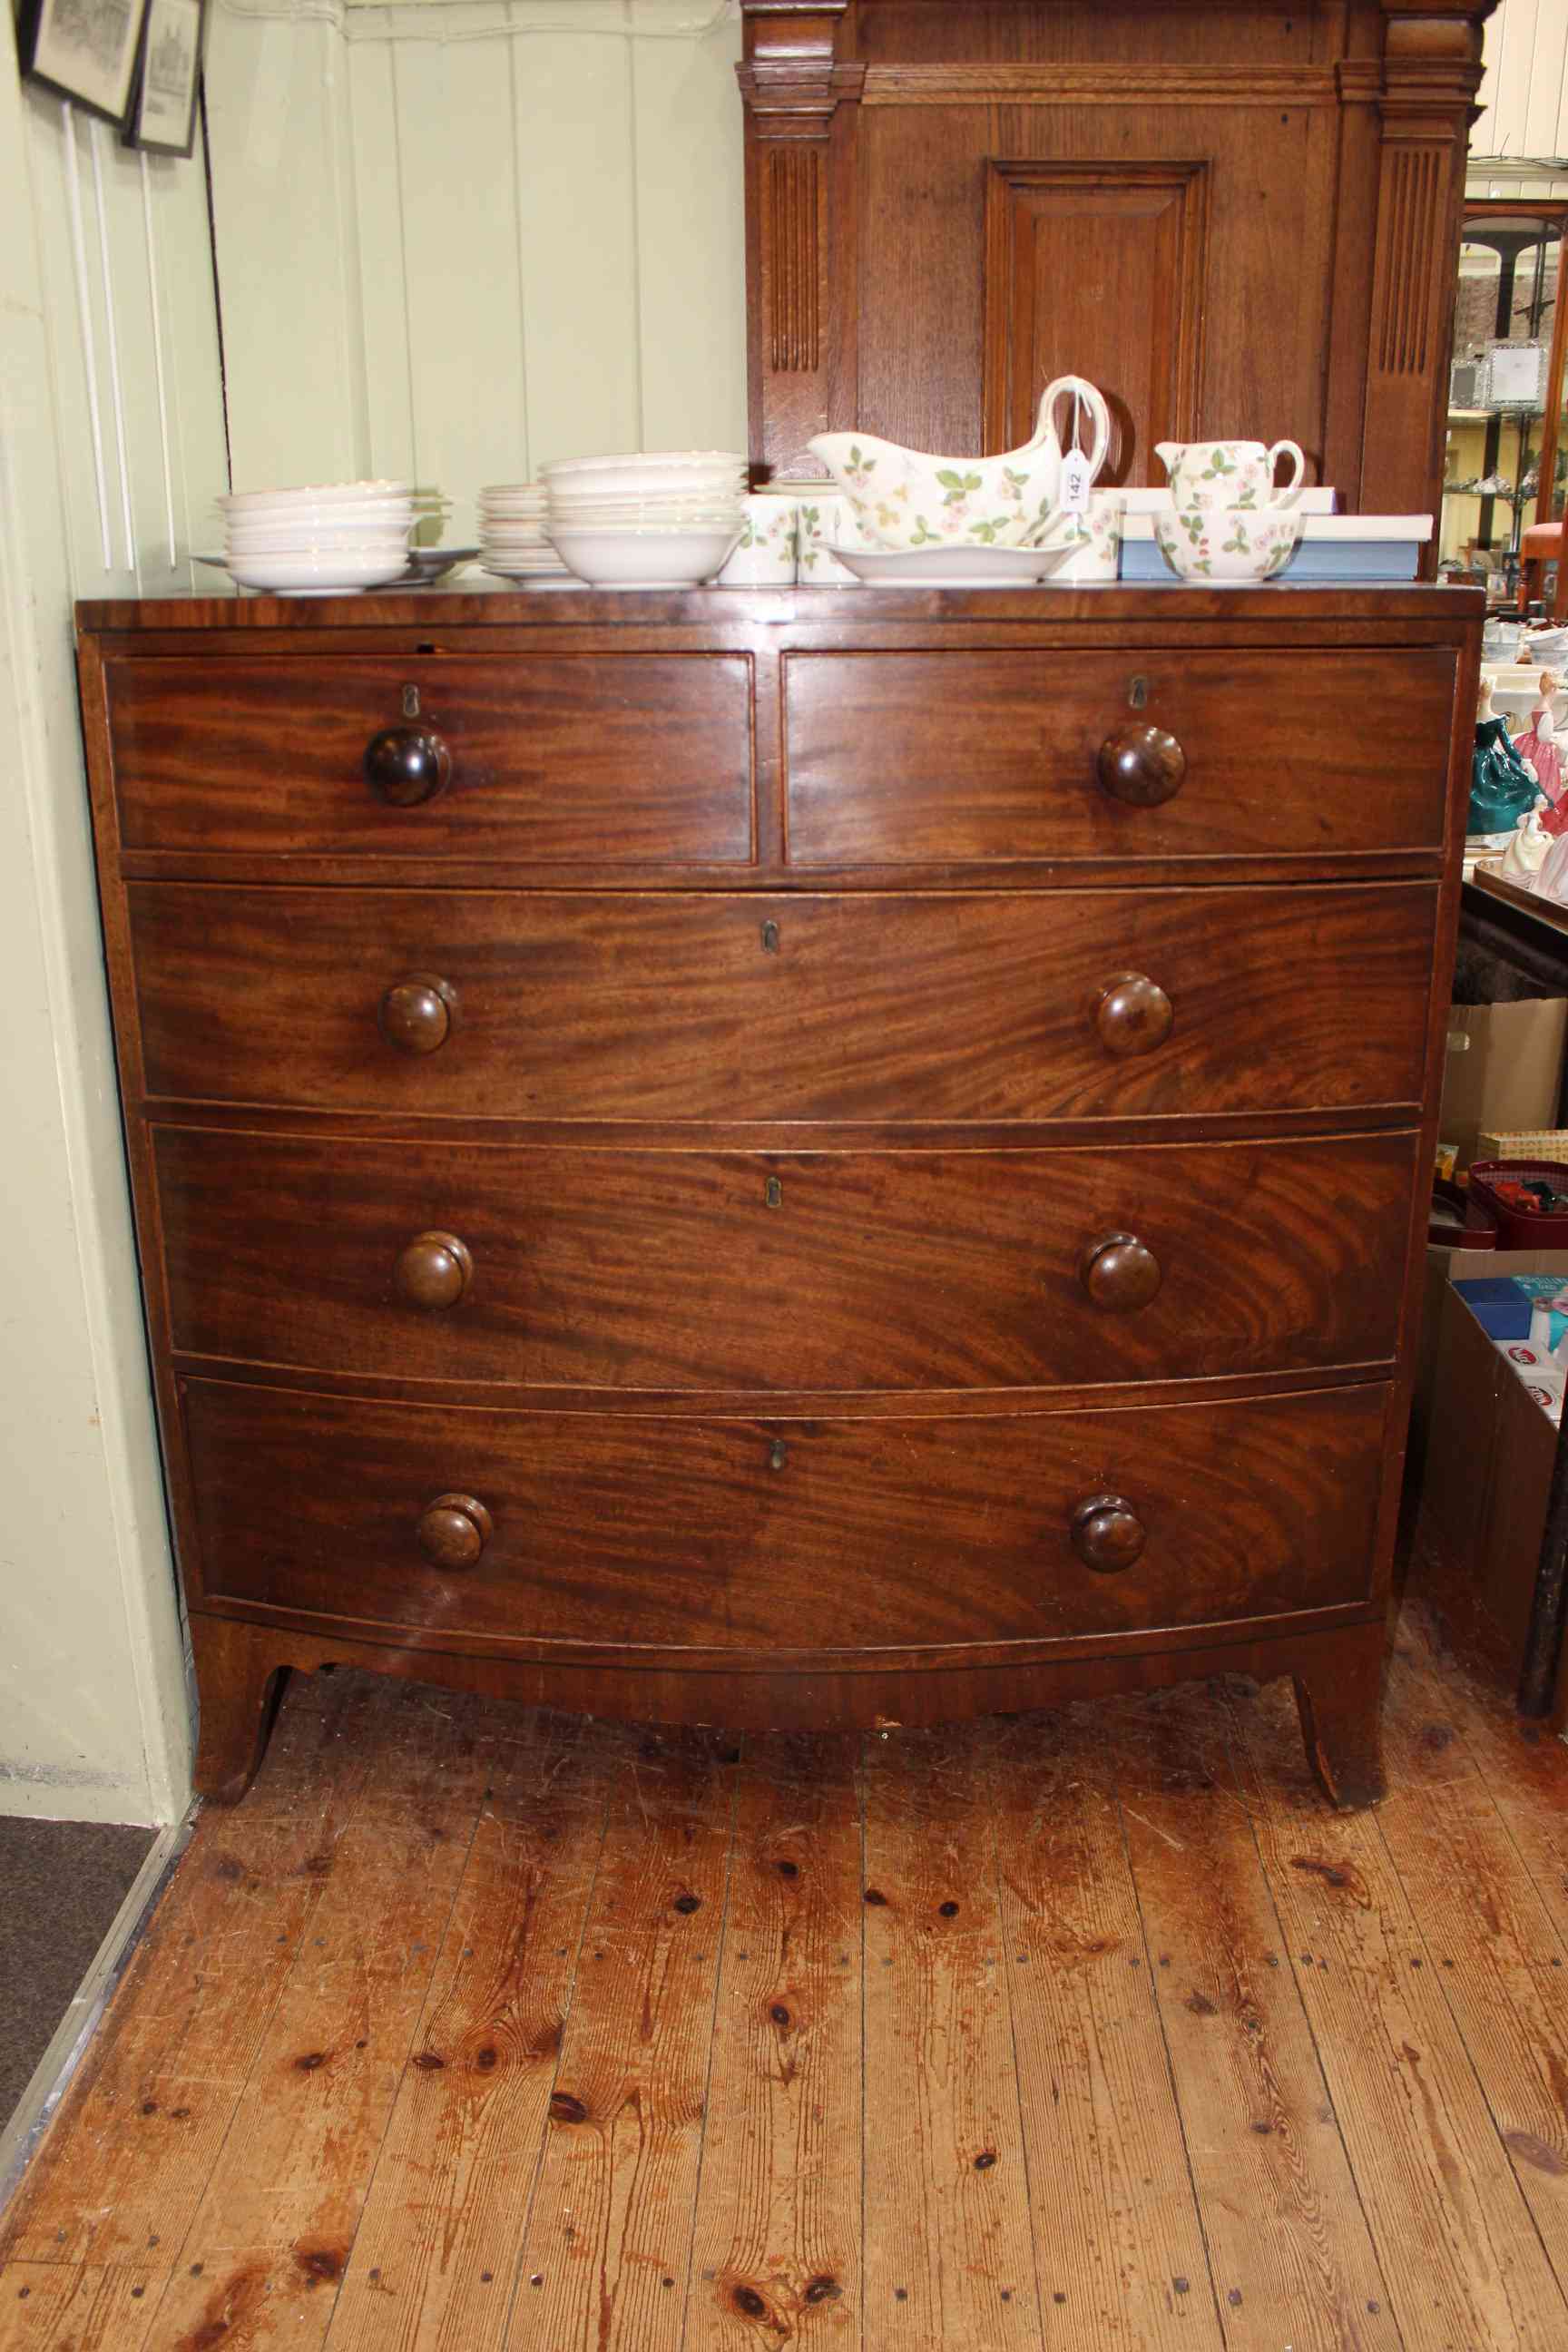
{"x":938,"y":1006}
{"x":830,"y":1271}
{"x":738,"y":1536}
{"x":957,"y":754}
{"x":613,"y":759}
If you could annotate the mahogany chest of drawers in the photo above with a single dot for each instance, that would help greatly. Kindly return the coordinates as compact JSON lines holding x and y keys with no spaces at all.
{"x":783,"y":1157}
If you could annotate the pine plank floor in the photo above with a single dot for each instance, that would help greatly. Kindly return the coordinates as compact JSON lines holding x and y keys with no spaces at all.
{"x":478,"y":2029}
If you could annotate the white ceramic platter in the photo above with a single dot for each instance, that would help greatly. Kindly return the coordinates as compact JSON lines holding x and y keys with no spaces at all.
{"x":947,"y":567}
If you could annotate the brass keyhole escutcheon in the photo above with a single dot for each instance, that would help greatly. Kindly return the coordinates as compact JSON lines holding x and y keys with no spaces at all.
{"x":770,"y":939}
{"x":1137,"y":693}
{"x":778,"y":1455}
{"x":411,"y":702}
{"x":773,"y":1194}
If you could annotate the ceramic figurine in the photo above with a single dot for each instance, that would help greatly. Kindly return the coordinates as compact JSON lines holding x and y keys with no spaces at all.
{"x":1538,"y":745}
{"x":1526,"y":853}
{"x":1502,"y":789}
{"x":1552,"y":878}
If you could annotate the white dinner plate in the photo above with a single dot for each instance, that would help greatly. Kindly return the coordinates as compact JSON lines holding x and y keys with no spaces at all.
{"x":947,"y":567}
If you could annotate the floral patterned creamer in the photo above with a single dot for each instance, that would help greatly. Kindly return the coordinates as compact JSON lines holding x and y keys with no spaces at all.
{"x":1229,"y":474}
{"x":1215,"y":547}
{"x":765,"y":557}
{"x":1092,"y":542}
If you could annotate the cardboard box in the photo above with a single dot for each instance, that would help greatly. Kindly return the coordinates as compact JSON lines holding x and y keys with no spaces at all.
{"x":1487,"y":1472}
{"x":1503,"y":1069}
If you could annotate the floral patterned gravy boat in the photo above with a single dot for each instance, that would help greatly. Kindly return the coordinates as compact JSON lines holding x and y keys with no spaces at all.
{"x":904,"y":499}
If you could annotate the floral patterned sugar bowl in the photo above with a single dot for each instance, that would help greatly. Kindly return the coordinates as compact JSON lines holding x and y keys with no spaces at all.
{"x":904,"y":499}
{"x":1227,"y":547}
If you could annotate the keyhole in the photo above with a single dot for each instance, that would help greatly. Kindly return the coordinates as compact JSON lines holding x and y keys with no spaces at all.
{"x":770,"y":939}
{"x":773,"y":1193}
{"x":1137,"y":693}
{"x":778,"y":1455}
{"x":411,"y":702}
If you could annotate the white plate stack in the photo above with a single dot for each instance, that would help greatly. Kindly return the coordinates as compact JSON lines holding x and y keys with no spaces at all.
{"x":511,"y":529}
{"x":324,"y":540}
{"x":664,"y":519}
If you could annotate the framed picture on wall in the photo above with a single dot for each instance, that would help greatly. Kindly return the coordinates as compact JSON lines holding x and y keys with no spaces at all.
{"x":85,"y":49}
{"x":162,"y":115}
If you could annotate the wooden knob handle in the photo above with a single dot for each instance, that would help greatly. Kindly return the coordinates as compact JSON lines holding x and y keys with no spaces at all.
{"x":435,"y":1270}
{"x":1107,"y":1533}
{"x":453,"y":1531}
{"x":417,"y":1014}
{"x":406,"y":765}
{"x":1119,"y":1273}
{"x":1133,"y":1016}
{"x":1141,"y":766}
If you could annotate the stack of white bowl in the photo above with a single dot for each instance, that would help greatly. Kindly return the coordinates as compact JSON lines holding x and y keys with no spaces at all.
{"x":511,"y":533}
{"x":324,"y":540}
{"x":667,"y":520}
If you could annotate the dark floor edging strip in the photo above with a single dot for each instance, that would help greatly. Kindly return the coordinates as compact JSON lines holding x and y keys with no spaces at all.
{"x":52,"y":2076}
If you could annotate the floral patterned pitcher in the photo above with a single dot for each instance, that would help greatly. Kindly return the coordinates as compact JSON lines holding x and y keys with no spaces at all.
{"x":1230,"y":473}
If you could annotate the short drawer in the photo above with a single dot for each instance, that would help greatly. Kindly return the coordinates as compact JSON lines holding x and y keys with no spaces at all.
{"x":689,"y":1006}
{"x":629,"y":758}
{"x":745,"y":1536}
{"x":955,"y":755}
{"x":826,"y":1271}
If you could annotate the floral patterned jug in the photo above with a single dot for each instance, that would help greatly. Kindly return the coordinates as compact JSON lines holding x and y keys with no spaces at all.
{"x":1231,"y":474}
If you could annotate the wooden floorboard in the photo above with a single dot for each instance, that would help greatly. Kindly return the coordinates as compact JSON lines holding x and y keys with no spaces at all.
{"x":776,"y":2239}
{"x":1120,"y":2248}
{"x":1291,"y":2255}
{"x":606,"y":2253}
{"x":1454,"y":2236}
{"x":479,"y":2030}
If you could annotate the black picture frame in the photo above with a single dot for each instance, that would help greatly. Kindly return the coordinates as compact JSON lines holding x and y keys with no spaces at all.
{"x":161,"y":119}
{"x":86,"y":50}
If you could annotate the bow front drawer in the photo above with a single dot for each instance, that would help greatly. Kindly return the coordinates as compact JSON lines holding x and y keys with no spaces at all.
{"x":942,"y":1007}
{"x":832,"y":1536}
{"x":624,"y":759}
{"x":900,"y":757}
{"x":555,"y":1268}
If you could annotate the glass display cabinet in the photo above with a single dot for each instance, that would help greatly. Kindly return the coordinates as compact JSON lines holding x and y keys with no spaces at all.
{"x":1506,"y":461}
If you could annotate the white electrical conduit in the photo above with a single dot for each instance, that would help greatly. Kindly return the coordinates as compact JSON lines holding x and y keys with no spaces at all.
{"x":158,"y":355}
{"x":84,"y":313}
{"x":94,"y":150}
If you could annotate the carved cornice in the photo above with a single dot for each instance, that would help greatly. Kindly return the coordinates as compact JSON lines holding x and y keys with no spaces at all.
{"x":1101,"y":85}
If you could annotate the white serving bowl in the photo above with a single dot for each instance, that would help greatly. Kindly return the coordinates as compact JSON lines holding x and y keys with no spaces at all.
{"x":321,"y":541}
{"x":314,"y":495}
{"x":629,"y":557}
{"x":637,"y":485}
{"x":651,"y":468}
{"x":301,"y":529}
{"x":649,"y":515}
{"x":320,"y":576}
{"x":1228,"y":547}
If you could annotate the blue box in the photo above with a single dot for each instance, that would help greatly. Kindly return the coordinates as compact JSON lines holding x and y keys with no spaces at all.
{"x":1499,"y":1305}
{"x":1323,"y":562}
